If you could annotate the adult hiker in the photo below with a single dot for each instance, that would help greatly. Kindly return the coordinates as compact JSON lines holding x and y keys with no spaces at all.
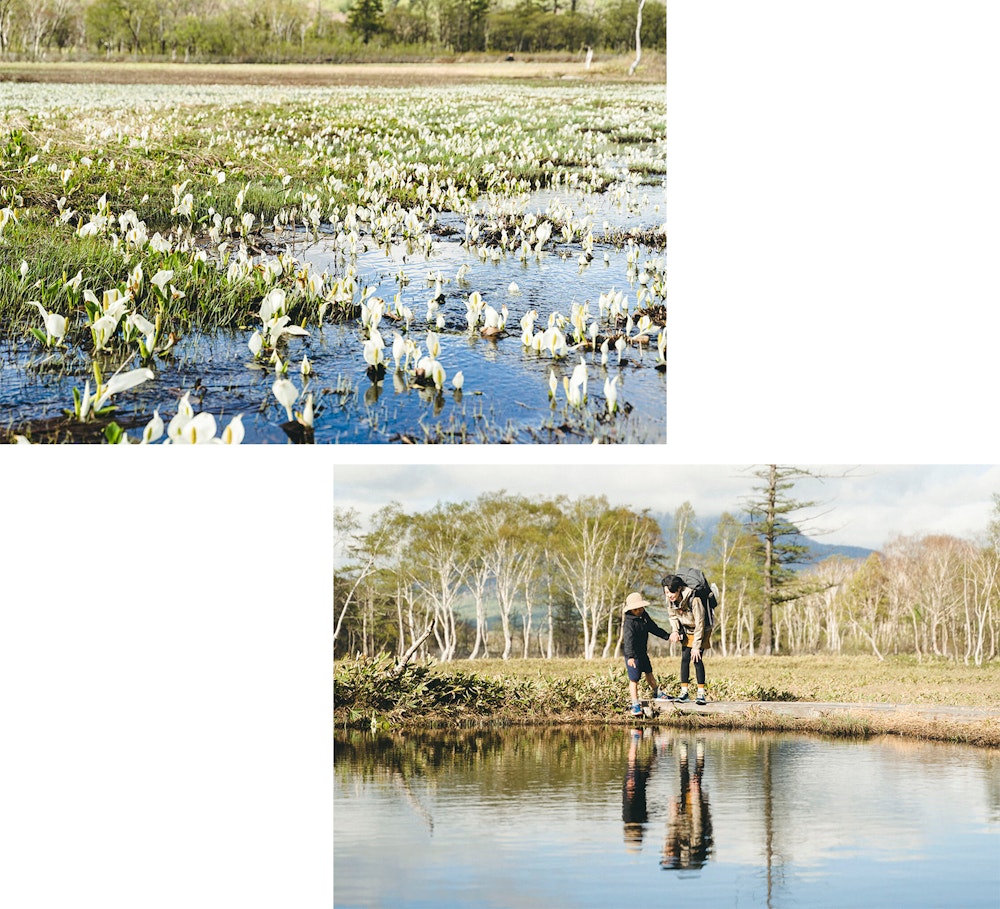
{"x":687,"y":613}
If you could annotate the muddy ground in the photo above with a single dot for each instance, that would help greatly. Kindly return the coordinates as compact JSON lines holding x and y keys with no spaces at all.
{"x":613,"y":69}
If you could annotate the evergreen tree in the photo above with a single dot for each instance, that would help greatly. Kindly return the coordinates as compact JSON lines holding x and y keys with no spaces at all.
{"x":779,"y":538}
{"x":365,"y":18}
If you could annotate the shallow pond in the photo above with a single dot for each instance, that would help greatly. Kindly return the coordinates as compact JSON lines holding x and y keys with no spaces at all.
{"x":506,"y":392}
{"x":601,"y":817}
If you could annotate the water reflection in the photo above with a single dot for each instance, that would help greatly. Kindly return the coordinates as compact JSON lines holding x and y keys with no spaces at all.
{"x":634,"y":813}
{"x":688,"y":843}
{"x":568,"y":816}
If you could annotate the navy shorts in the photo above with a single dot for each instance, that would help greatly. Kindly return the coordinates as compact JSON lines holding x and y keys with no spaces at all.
{"x":642,"y":665}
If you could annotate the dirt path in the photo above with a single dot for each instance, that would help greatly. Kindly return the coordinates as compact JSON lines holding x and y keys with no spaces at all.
{"x":383,"y":74}
{"x":817,"y":709}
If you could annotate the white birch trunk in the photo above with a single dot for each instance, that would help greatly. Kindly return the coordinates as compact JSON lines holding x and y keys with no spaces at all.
{"x":638,"y":42}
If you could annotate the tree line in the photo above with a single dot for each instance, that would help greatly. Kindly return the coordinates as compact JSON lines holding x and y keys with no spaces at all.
{"x":506,"y":576}
{"x":305,"y":31}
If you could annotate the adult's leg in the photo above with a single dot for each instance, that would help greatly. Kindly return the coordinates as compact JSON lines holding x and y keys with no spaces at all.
{"x":686,"y":665}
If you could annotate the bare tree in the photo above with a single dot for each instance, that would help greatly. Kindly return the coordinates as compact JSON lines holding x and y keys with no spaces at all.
{"x":477,"y":575}
{"x":638,"y":39}
{"x":583,"y":541}
{"x":981,"y":589}
{"x":437,"y":563}
{"x":732,"y":562}
{"x":635,"y":538}
{"x":866,"y":600}
{"x":505,"y":554}
{"x":684,"y":532}
{"x":367,"y":549}
{"x":6,"y":22}
{"x":602,"y":554}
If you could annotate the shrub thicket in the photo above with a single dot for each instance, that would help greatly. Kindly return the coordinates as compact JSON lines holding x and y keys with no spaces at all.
{"x":276,"y":31}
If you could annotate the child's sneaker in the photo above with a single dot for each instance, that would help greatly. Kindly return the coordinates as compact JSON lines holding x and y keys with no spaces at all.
{"x":637,"y":710}
{"x":661,"y":694}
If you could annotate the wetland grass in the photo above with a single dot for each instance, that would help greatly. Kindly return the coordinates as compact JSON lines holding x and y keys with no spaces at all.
{"x":100,"y":193}
{"x":576,"y":690}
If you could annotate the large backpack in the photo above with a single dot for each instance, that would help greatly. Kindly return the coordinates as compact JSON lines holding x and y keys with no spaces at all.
{"x":707,"y":593}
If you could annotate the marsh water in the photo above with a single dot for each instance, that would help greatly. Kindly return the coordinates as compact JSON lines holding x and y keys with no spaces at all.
{"x":505,"y":396}
{"x":601,"y":817}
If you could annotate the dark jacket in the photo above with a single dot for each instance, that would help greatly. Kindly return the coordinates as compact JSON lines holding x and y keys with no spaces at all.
{"x":637,"y":630}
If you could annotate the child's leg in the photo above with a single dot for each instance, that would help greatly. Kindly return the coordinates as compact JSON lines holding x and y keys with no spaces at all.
{"x":634,"y":674}
{"x":651,"y":681}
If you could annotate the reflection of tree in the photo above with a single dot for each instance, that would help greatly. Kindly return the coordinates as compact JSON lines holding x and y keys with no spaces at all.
{"x":634,"y":813}
{"x":768,"y":819}
{"x":689,"y":821}
{"x":494,"y":760}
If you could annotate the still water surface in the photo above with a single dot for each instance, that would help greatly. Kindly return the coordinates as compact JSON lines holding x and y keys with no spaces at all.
{"x":505,"y":397}
{"x":609,"y":817}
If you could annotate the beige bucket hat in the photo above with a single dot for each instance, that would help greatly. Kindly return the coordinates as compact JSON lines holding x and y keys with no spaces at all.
{"x":634,"y":601}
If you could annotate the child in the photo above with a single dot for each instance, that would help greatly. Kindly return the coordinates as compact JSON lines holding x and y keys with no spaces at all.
{"x":638,"y":625}
{"x":687,"y":619}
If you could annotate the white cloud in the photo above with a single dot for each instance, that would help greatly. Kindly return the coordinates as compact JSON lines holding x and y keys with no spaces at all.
{"x":864,"y":505}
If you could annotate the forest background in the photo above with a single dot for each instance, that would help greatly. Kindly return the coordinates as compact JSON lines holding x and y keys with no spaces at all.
{"x":511,"y":576}
{"x":329,"y":31}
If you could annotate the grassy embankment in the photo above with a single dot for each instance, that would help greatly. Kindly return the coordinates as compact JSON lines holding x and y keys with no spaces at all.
{"x":522,"y":692}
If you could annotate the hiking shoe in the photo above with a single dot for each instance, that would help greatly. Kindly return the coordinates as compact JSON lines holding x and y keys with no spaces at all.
{"x":637,"y":710}
{"x":681,"y":698}
{"x":700,"y":701}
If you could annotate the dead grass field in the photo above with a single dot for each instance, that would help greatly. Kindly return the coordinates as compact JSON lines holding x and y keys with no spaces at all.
{"x":854,"y":696}
{"x":392,"y":75}
{"x":847,"y":679}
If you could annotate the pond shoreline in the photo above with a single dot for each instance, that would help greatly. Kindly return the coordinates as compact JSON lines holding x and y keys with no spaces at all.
{"x":978,"y":726}
{"x":934,"y":722}
{"x":933,"y":700}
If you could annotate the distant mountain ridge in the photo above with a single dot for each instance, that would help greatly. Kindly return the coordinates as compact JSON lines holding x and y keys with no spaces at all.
{"x":817,"y":551}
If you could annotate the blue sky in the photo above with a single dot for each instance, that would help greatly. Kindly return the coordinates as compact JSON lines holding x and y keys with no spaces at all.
{"x":861,"y":505}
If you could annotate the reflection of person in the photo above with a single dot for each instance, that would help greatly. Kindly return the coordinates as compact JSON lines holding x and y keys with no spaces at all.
{"x":687,"y":620}
{"x":689,"y":821}
{"x":634,"y":813}
{"x":638,"y":626}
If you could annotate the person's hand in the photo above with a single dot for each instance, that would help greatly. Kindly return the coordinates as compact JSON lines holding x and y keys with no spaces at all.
{"x":696,"y":654}
{"x":674,"y":637}
{"x":631,"y":662}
